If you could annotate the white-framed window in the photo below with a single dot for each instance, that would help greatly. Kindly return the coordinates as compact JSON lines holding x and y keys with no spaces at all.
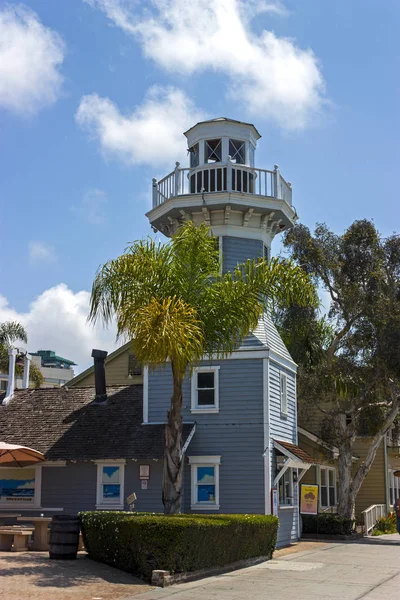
{"x":205,"y":390}
{"x":394,"y":488}
{"x":327,"y":479}
{"x":237,"y":151}
{"x":213,"y":151}
{"x":205,"y":482}
{"x":285,"y":488}
{"x":110,"y":484}
{"x":20,"y":487}
{"x":283,"y":394}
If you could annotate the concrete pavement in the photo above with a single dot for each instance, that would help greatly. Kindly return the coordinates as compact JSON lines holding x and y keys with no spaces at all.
{"x":367,"y":570}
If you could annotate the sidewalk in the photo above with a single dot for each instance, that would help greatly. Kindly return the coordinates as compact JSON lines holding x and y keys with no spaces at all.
{"x":368,"y":569}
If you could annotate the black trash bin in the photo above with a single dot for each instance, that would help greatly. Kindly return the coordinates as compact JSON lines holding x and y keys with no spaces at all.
{"x":64,"y":537}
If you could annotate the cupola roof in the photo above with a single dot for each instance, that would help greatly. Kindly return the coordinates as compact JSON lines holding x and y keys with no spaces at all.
{"x":226,"y":120}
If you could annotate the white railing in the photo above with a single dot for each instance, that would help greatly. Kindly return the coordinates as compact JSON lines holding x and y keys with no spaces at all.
{"x":222,"y":177}
{"x":372,"y":514}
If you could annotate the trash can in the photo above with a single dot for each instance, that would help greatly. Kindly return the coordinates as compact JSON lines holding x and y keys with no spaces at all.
{"x":64,"y":537}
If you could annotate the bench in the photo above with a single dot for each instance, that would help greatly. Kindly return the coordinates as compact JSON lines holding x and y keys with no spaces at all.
{"x":18,"y":535}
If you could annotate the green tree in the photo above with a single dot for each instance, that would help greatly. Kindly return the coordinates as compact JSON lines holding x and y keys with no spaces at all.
{"x":172,"y":301}
{"x":12,"y":332}
{"x":349,"y":361}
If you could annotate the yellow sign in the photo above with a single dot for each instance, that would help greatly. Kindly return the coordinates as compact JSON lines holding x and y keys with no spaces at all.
{"x":309,"y":500}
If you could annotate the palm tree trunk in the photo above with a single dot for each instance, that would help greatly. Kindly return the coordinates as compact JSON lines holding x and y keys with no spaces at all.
{"x":173,"y":460}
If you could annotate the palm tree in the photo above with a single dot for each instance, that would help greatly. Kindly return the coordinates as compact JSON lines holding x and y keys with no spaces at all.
{"x":10,"y":333}
{"x":174,"y":304}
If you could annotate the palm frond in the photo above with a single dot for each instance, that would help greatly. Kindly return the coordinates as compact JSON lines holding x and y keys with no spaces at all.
{"x":11,"y":332}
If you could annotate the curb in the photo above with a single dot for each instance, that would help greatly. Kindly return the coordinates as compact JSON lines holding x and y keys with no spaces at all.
{"x":330,"y":538}
{"x":161,"y":578}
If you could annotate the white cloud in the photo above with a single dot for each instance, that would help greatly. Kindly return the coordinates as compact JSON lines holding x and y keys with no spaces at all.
{"x":269,"y":75}
{"x":93,"y":207}
{"x":30,"y":55}
{"x":57,"y":320}
{"x":41,"y":252}
{"x":151,"y":134}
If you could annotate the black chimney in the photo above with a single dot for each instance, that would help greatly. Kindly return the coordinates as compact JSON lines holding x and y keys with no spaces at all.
{"x":99,"y":357}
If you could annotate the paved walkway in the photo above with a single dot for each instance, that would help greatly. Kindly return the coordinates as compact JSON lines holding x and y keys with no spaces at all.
{"x":366,"y":570}
{"x":32,"y":576}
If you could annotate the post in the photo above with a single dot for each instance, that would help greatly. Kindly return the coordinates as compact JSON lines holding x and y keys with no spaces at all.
{"x":177,"y":172}
{"x":27,"y":365}
{"x":229,"y":174}
{"x":277,"y":182}
{"x":12,"y":354}
{"x":155,"y":193}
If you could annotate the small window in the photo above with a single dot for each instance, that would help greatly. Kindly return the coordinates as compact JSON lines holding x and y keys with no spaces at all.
{"x":194,"y":156}
{"x":205,"y":482}
{"x":328,"y":487}
{"x":213,"y":151}
{"x":205,"y":389}
{"x":286,"y":488}
{"x":283,"y":390}
{"x":134,"y":367}
{"x":110,"y":485}
{"x":3,"y":385}
{"x":394,"y":488}
{"x":237,"y":151}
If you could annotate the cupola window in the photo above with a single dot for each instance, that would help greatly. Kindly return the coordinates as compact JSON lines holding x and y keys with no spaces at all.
{"x":251,"y":154}
{"x":237,"y":151}
{"x":194,"y":156}
{"x":213,"y":151}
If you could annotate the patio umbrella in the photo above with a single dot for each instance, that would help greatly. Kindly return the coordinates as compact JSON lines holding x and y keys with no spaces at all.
{"x":18,"y":456}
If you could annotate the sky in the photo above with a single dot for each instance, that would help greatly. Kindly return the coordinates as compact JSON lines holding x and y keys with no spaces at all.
{"x":95,"y":95}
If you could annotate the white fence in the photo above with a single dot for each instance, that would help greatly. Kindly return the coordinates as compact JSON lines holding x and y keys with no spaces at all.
{"x":372,"y":514}
{"x":221,"y":177}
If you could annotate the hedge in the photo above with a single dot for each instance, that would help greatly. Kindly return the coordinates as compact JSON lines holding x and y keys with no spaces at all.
{"x":328,"y":524}
{"x":141,"y":542}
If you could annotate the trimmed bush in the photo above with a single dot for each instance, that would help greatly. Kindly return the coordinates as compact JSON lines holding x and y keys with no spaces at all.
{"x":328,"y":524}
{"x":141,"y":542}
{"x":385,"y":525}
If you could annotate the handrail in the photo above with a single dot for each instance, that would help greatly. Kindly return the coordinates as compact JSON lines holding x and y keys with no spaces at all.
{"x":372,"y":514}
{"x":222,"y":177}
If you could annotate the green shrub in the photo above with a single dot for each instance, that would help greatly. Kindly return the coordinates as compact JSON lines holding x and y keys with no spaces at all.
{"x":141,"y":542}
{"x":385,"y":525}
{"x":328,"y":524}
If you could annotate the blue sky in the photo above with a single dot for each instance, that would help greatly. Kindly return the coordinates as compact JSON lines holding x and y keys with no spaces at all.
{"x":94,"y":96}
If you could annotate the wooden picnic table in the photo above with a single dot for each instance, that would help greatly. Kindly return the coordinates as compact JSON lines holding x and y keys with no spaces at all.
{"x":40,"y":540}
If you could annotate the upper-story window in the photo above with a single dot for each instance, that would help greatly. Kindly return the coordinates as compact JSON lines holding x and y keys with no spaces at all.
{"x":213,"y":151}
{"x":283,"y":392}
{"x":134,"y":367}
{"x":205,"y":389}
{"x":237,"y":151}
{"x":194,"y":156}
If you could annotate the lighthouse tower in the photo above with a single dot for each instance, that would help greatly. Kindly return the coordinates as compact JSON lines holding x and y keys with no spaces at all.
{"x":245,"y":205}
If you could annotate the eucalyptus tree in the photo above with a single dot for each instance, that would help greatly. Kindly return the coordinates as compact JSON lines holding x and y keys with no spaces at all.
{"x":175,"y":306}
{"x":352,"y":376}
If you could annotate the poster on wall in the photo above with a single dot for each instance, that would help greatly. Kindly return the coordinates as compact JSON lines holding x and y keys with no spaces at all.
{"x":17,"y":485}
{"x":274,"y":501}
{"x":144,"y":471}
{"x":309,"y":499}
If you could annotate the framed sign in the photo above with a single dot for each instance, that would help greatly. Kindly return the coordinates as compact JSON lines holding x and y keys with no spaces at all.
{"x":144,"y":471}
{"x":309,"y":499}
{"x":274,"y":501}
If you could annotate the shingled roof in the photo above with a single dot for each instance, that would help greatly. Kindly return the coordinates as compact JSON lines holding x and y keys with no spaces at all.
{"x":65,"y":424}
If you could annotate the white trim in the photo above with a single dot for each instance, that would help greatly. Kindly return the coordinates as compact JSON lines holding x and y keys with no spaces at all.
{"x":283,"y":361}
{"x":283,"y":393}
{"x":221,"y":254}
{"x":145,"y":394}
{"x":37,"y":498}
{"x":100,"y":502}
{"x":188,"y":440}
{"x":55,"y":463}
{"x":204,"y":461}
{"x":202,"y":409}
{"x":267,"y":451}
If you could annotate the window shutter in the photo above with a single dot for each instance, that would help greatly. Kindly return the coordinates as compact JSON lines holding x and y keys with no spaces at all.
{"x":134,"y":368}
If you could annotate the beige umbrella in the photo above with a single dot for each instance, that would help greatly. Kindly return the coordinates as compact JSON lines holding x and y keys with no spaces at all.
{"x":18,"y":456}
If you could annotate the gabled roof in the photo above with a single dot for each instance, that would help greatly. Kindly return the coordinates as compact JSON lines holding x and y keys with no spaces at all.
{"x":65,"y":424}
{"x":110,"y":357}
{"x":227,"y":120}
{"x":293,"y":451}
{"x":266,"y":335}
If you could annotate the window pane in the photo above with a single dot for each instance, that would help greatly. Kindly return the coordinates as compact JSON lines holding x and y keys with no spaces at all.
{"x":205,"y":380}
{"x":110,"y":475}
{"x":205,"y":475}
{"x":323,"y":477}
{"x":324,"y":496}
{"x":213,"y":151}
{"x":331,"y":478}
{"x":206,"y":398}
{"x":111,"y":491}
{"x":194,"y":156}
{"x":331,"y":496}
{"x":206,"y":493}
{"x":237,"y":151}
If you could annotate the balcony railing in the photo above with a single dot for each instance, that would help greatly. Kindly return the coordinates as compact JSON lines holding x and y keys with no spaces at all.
{"x":222,"y":177}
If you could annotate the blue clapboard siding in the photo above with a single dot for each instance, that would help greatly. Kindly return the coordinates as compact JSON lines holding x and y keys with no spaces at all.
{"x":150,"y":499}
{"x":72,"y":487}
{"x":235,"y":433}
{"x":237,"y":250}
